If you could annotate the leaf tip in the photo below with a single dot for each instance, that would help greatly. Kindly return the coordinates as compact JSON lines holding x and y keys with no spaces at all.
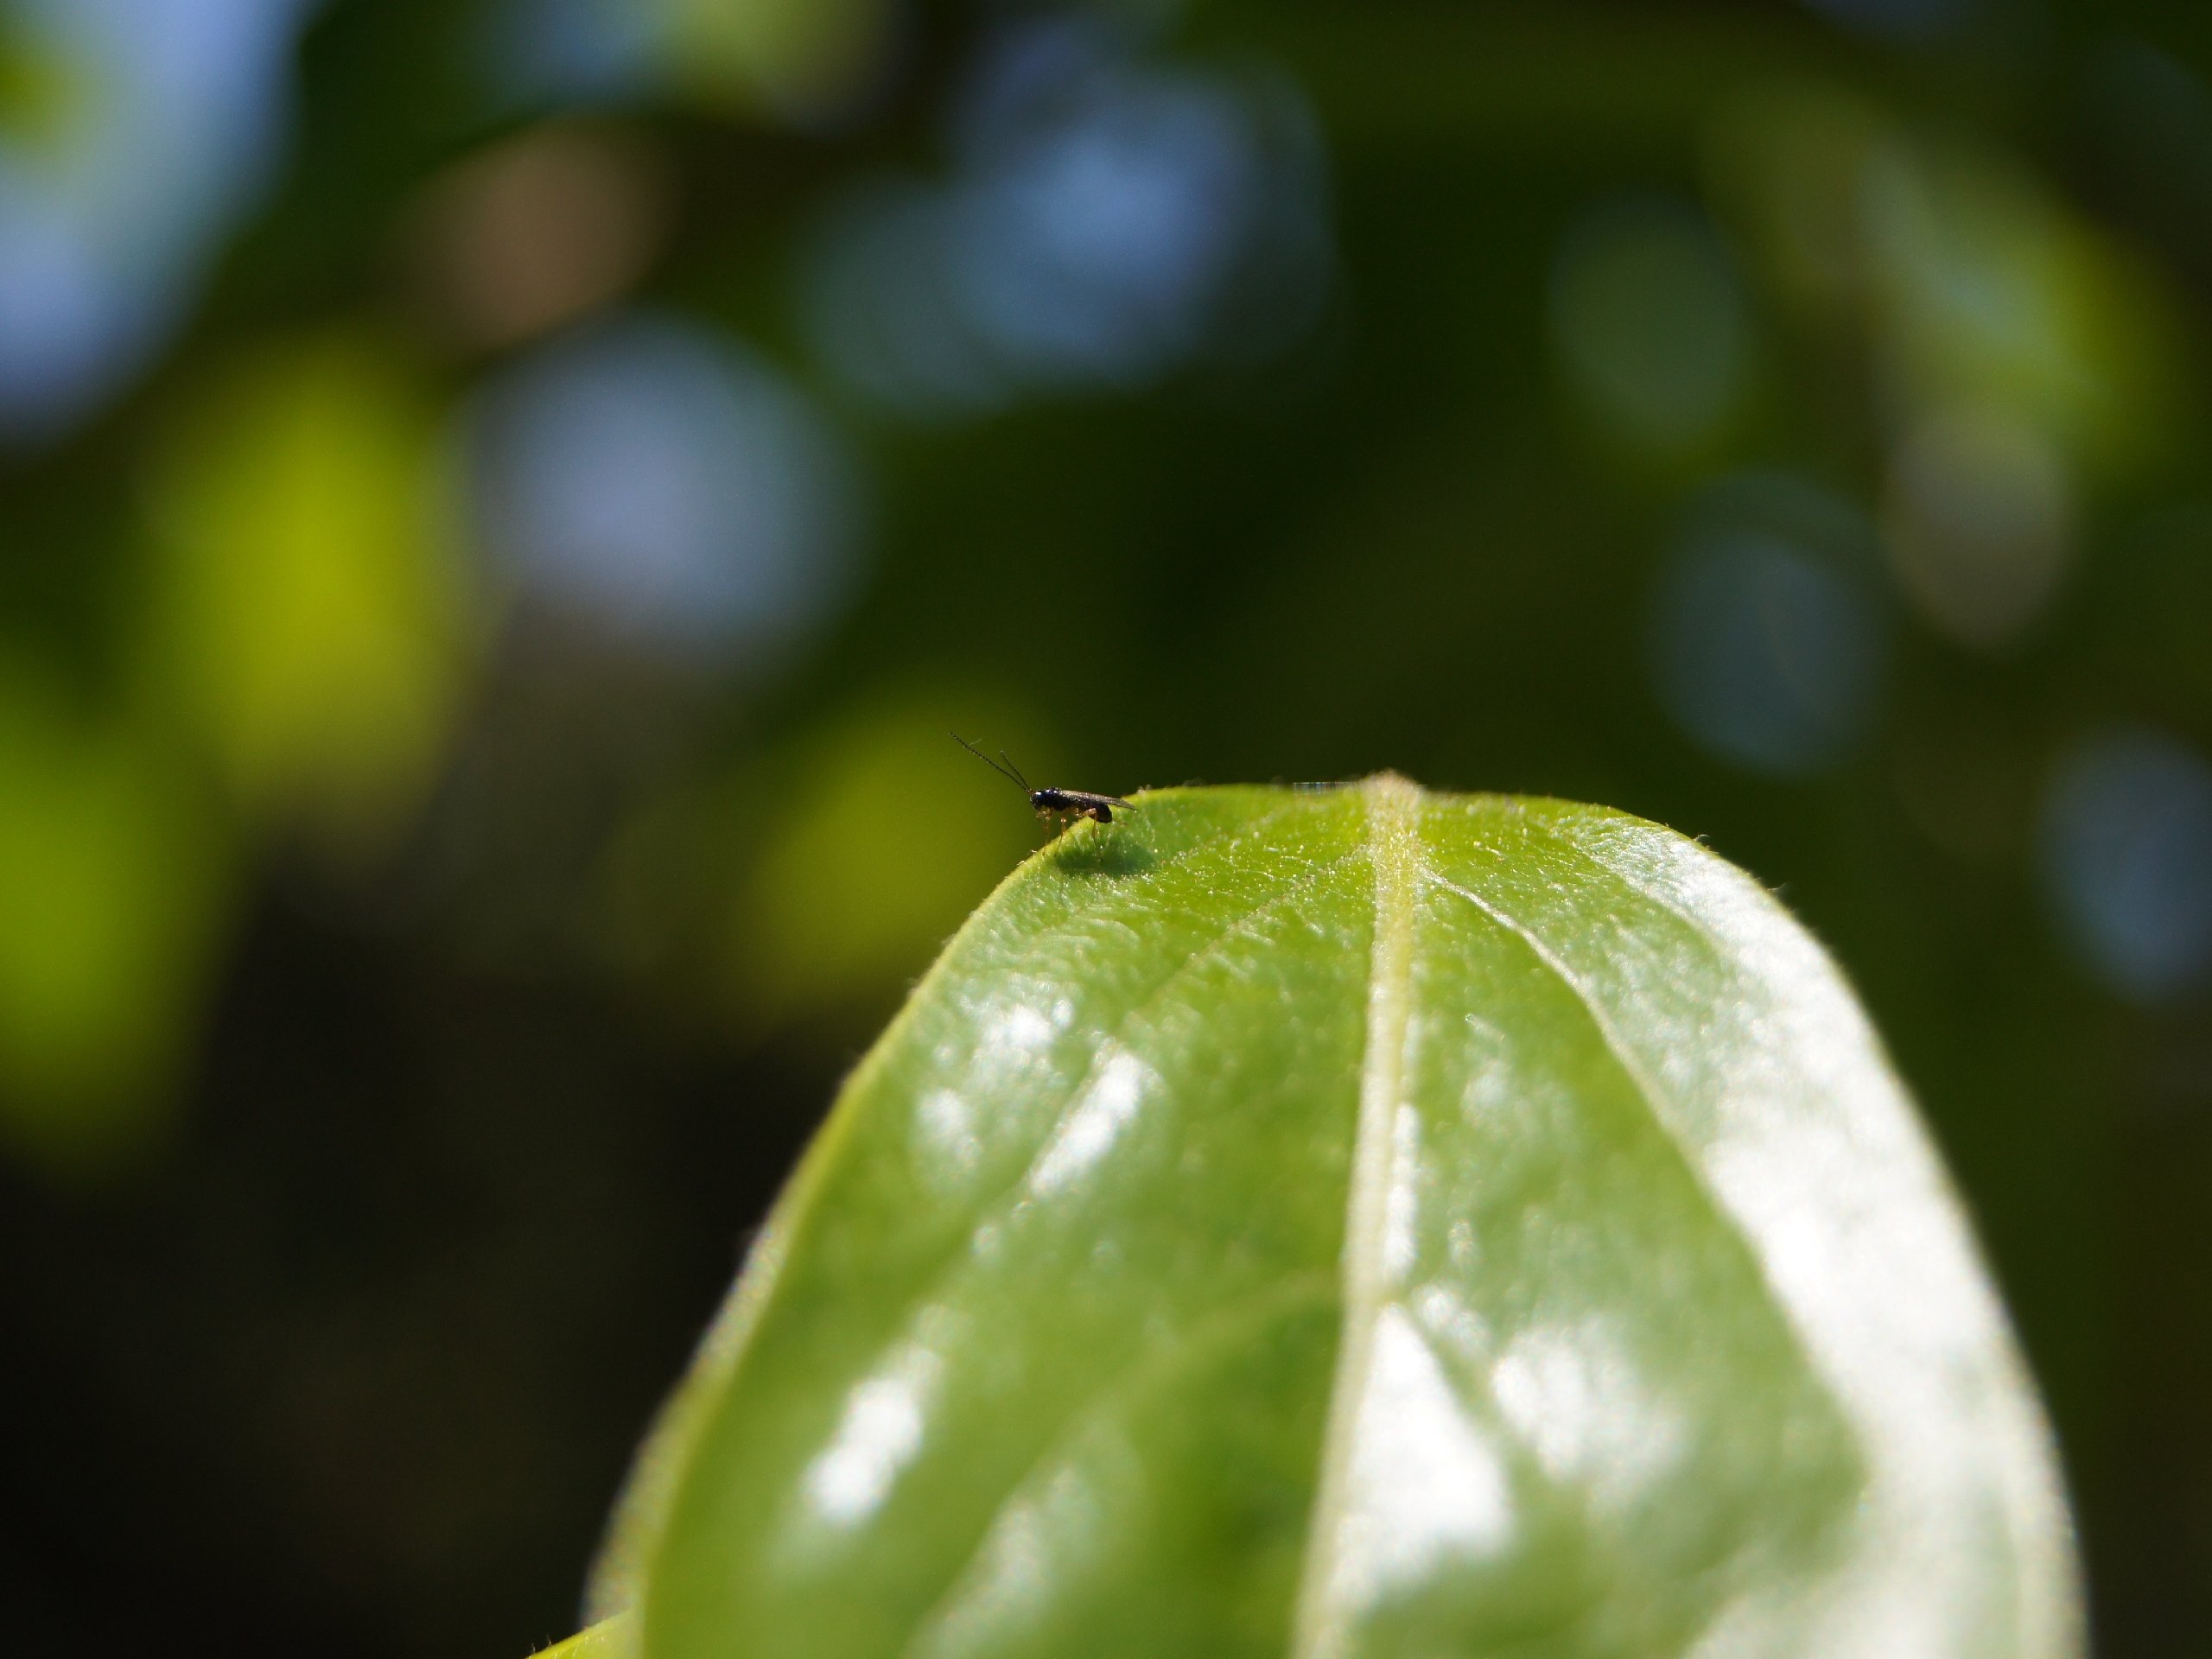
{"x":1394,"y":787}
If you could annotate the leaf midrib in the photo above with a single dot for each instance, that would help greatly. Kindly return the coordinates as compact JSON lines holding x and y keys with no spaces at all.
{"x":1394,"y":856}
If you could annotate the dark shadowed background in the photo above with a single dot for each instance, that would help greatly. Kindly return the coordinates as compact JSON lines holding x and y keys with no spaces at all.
{"x":501,"y":502}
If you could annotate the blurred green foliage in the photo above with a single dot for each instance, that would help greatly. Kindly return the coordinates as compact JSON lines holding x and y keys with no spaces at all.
{"x":306,"y":595}
{"x":114,"y":875}
{"x":869,"y":850}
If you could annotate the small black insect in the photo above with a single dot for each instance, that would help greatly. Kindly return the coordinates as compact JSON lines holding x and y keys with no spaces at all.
{"x":1049,"y":803}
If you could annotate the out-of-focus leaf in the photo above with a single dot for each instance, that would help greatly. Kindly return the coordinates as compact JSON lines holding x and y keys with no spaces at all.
{"x":787,"y":57}
{"x":1976,"y":287}
{"x":112,"y":874}
{"x":1992,"y":294}
{"x":39,"y":93}
{"x":1361,"y":1222}
{"x":874,"y":851}
{"x":309,"y":610}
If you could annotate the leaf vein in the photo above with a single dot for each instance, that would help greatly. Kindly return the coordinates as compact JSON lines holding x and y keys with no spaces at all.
{"x":1213,"y":1331}
{"x":1319,"y":1629}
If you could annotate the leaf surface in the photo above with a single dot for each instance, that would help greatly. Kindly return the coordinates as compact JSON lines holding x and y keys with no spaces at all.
{"x":1363,"y":1221}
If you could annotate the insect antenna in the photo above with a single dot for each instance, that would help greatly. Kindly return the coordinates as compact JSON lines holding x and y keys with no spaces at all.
{"x":1009,"y":771}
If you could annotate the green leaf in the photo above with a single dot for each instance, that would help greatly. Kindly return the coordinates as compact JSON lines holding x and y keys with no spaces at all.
{"x":1360,"y":1222}
{"x":612,"y":1638}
